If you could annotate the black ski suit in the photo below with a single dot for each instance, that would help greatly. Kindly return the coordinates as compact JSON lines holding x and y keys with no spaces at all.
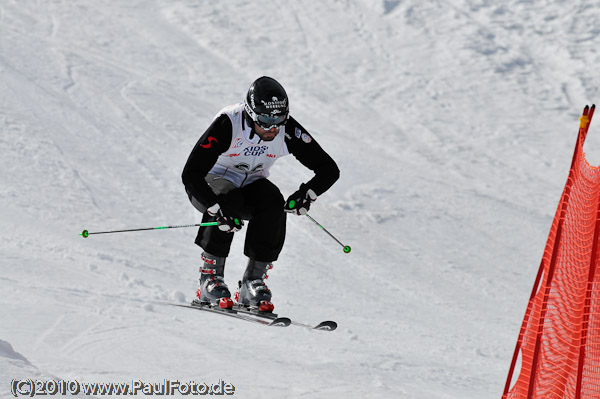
{"x":229,"y":165}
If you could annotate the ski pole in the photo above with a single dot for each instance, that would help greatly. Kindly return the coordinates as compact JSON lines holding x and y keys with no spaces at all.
{"x":347,"y":248}
{"x":86,"y":233}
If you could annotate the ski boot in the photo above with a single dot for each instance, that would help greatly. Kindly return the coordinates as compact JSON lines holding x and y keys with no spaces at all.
{"x":212,"y":289}
{"x":253,"y":293}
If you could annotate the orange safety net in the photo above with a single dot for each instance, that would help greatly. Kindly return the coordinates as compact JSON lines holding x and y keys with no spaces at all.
{"x":559,"y":343}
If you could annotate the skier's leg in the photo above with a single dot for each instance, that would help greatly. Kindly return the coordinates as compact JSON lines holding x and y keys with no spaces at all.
{"x":264,"y":240}
{"x":216,"y":243}
{"x":210,"y":238}
{"x":265,"y":234}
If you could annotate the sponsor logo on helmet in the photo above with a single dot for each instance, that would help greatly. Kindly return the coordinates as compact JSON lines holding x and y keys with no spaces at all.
{"x":274,"y":103}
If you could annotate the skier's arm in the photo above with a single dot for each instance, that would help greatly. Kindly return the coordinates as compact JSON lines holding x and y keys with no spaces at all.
{"x":310,"y":154}
{"x":215,"y":141}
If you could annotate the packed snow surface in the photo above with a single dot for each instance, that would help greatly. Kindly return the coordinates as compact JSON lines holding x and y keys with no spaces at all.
{"x":453,"y":123}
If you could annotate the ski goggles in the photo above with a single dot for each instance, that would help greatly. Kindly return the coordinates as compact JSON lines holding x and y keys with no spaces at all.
{"x":268,"y":122}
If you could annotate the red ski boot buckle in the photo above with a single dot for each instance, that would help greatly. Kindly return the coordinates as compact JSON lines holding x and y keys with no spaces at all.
{"x":225,"y":303}
{"x":266,"y":306}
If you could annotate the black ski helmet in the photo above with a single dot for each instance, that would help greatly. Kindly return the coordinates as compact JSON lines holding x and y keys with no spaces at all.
{"x":266,"y":103}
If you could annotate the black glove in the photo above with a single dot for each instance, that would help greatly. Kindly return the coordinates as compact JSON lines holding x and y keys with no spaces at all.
{"x":226,"y":223}
{"x":299,"y":202}
{"x":227,"y":217}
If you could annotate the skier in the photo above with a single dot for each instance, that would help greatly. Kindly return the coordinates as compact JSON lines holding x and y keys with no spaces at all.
{"x":225,"y":178}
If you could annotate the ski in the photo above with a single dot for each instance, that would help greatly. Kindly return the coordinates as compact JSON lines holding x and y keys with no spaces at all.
{"x":264,"y":318}
{"x":273,"y":322}
{"x":327,"y":325}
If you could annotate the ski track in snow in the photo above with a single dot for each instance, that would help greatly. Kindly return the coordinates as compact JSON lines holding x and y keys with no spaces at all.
{"x":453,"y":123}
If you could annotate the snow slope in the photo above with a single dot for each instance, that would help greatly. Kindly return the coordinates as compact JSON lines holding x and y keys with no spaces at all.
{"x":453,"y":123}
